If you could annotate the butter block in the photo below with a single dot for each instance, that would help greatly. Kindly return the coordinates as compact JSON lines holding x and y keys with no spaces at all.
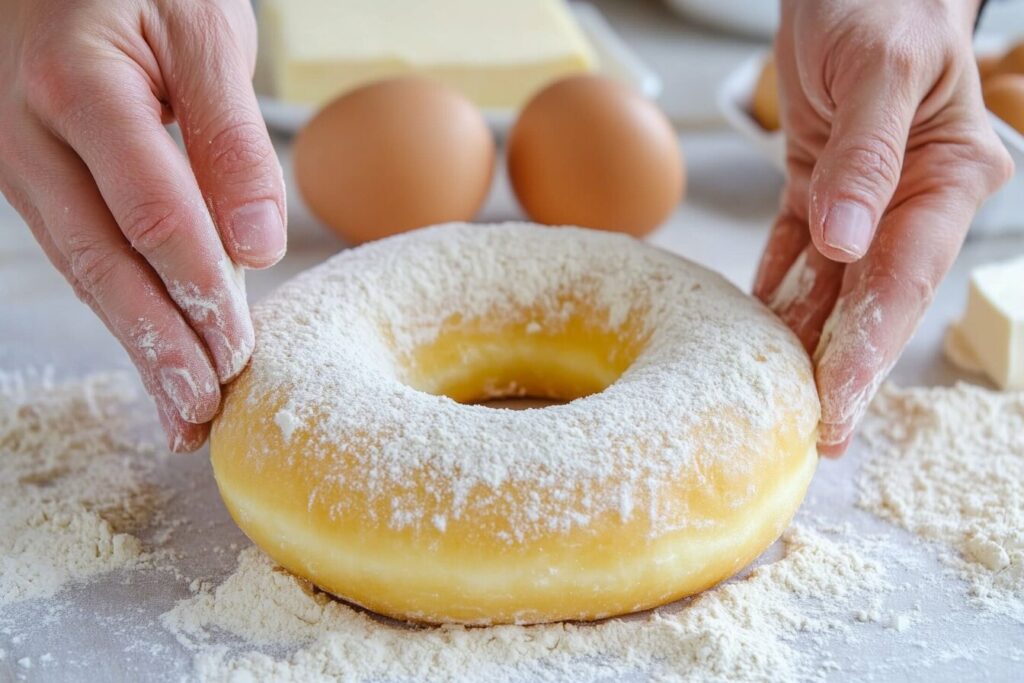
{"x":990,"y":336}
{"x":496,"y":52}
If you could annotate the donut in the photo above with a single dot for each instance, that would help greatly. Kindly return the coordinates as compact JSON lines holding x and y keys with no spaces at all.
{"x":355,"y":451}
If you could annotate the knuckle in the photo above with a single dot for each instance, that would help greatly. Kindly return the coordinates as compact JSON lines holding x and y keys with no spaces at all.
{"x":986,"y":160}
{"x":92,"y":267}
{"x":875,"y":160}
{"x":238,"y":149}
{"x":998,"y":165}
{"x":150,"y":226}
{"x":50,"y":82}
{"x":65,"y":95}
{"x":209,"y":24}
{"x":898,"y":54}
{"x":208,"y":17}
{"x":81,"y":292}
{"x":54,"y":70}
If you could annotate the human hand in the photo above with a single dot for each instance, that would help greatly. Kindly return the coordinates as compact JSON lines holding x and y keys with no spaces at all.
{"x":889,"y":155}
{"x":151,"y":240}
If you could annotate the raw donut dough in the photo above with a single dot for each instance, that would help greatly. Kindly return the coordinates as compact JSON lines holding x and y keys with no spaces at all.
{"x":351,"y":452}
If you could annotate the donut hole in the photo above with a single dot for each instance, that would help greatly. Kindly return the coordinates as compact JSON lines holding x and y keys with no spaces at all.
{"x":476,"y":362}
{"x":520,"y":403}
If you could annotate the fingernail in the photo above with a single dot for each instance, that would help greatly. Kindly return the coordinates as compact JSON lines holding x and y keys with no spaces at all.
{"x":834,"y":449}
{"x":175,"y":441}
{"x":258,"y":231}
{"x":229,"y":359}
{"x":181,"y":438}
{"x":182,"y":391}
{"x":848,"y":227}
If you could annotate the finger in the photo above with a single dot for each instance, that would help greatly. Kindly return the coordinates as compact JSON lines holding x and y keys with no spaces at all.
{"x":859,"y":168}
{"x":87,"y":246}
{"x":135,"y":306}
{"x":182,"y":436}
{"x":227,"y":141}
{"x":881,"y":302}
{"x":789,"y":234}
{"x":807,"y":294}
{"x":786,"y":241}
{"x":114,"y":126}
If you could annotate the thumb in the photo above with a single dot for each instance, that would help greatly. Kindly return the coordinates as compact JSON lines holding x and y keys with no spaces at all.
{"x":859,"y":168}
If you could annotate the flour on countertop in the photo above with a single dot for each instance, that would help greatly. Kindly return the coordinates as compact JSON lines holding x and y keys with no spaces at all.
{"x":780,"y":623}
{"x":741,"y":630}
{"x":948,"y":465}
{"x":72,"y":481}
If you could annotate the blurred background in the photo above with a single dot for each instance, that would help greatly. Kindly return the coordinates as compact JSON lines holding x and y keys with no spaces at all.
{"x":699,"y":60}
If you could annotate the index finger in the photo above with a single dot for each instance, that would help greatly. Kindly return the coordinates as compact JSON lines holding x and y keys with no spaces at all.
{"x":882,"y":300}
{"x":110,"y":117}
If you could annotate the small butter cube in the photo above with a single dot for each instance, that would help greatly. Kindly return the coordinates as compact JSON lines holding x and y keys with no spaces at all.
{"x":496,"y":52}
{"x":990,"y":337}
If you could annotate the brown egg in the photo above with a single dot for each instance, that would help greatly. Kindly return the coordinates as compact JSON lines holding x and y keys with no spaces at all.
{"x":590,"y":151}
{"x":393,"y":156}
{"x":1004,"y":97}
{"x":764,"y":105}
{"x":987,"y":65}
{"x":1012,"y":62}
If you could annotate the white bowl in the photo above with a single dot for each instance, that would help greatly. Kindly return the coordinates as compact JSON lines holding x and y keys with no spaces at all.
{"x":757,"y":18}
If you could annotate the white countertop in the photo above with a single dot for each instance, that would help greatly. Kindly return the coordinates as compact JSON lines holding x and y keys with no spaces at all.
{"x":730,"y":202}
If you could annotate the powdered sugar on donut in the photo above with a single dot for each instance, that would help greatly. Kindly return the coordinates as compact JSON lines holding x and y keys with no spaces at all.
{"x":330,"y":345}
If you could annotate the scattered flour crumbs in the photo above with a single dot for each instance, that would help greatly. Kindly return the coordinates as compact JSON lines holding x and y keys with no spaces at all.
{"x":73,"y":489}
{"x":743,"y":630}
{"x":948,"y":465}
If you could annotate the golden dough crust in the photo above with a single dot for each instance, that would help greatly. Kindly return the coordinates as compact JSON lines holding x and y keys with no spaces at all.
{"x":475,"y":563}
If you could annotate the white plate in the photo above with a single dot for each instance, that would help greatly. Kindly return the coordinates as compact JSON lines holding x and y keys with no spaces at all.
{"x":615,"y":59}
{"x":1002,"y":214}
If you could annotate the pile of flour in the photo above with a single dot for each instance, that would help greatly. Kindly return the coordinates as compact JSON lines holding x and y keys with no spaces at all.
{"x":72,"y":481}
{"x":948,"y":464}
{"x":741,"y":630}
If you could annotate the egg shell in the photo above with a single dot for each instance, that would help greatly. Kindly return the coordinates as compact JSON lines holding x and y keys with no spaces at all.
{"x":764,"y":104}
{"x":987,"y":65}
{"x":1012,"y":62}
{"x":393,"y":156}
{"x":1004,"y":97}
{"x":591,"y":151}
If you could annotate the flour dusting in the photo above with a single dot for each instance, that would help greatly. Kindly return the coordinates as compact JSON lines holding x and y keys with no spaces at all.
{"x":948,"y":465}
{"x":744,"y":630}
{"x":335,"y":344}
{"x":72,"y":486}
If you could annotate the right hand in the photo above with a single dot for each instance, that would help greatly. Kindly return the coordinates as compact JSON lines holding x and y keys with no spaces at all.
{"x":889,"y":154}
{"x":153,"y":241}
